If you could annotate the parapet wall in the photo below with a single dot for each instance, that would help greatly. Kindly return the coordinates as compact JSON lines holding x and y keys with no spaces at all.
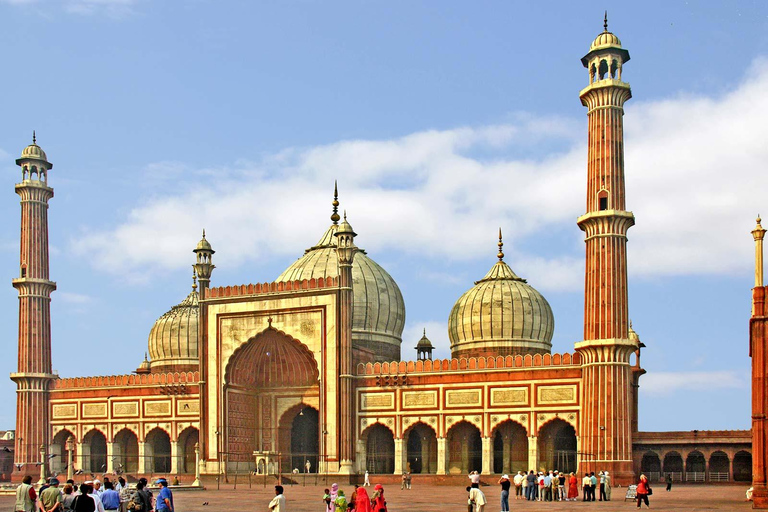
{"x":470,"y":363}
{"x":263,"y":288}
{"x":147,"y":379}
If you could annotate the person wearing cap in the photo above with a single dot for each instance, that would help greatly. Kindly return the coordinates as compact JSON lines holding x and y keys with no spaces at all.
{"x":378,"y":501}
{"x":164,"y":497}
{"x":278,"y":502}
{"x":607,"y":486}
{"x":110,"y":498}
{"x":505,"y":485}
{"x":50,"y":498}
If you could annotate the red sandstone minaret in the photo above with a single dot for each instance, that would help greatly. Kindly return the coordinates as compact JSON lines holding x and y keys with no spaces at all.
{"x":345,"y":249}
{"x":606,"y":423}
{"x":758,"y":350}
{"x":34,"y":375}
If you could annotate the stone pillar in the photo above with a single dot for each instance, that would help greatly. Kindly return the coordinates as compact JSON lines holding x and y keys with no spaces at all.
{"x":142,"y":466}
{"x":399,"y":457}
{"x":110,"y":456}
{"x":533,"y":453}
{"x":196,"y":483}
{"x":70,"y":446}
{"x":486,"y":464}
{"x":441,"y":456}
{"x":174,"y":458}
{"x":43,"y":465}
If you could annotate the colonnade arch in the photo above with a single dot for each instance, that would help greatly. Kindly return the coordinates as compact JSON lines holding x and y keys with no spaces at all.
{"x":510,"y":447}
{"x":421,"y":446}
{"x":380,"y":449}
{"x":59,"y":448}
{"x":126,"y":451}
{"x":465,"y":448}
{"x":94,"y":448}
{"x":557,"y":446}
{"x":157,"y":451}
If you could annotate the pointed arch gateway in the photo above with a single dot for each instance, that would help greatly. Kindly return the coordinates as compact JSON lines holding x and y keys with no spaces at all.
{"x":271,"y":363}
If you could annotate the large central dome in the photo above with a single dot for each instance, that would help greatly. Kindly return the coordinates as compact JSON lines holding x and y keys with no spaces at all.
{"x":378,"y":316}
{"x":501,"y":315}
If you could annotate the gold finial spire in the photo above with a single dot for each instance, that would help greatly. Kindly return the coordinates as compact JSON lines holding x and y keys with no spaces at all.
{"x":605,"y":21}
{"x":500,"y":244}
{"x":34,"y":137}
{"x":194,"y":281}
{"x":335,"y":215}
{"x":345,"y":215}
{"x":203,"y":233}
{"x":758,"y":234}
{"x":425,"y":332}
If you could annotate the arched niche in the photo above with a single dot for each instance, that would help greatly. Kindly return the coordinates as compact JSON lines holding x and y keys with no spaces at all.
{"x":465,"y":448}
{"x":557,"y":446}
{"x":379,"y":449}
{"x":299,"y":438}
{"x":157,"y":451}
{"x":94,"y":456}
{"x":421,"y":447}
{"x":126,"y":449}
{"x":510,"y":447}
{"x":188,"y":438}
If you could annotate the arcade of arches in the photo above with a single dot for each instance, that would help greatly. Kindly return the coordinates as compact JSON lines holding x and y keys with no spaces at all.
{"x":125,"y":453}
{"x":696,"y":466}
{"x":465,"y":449}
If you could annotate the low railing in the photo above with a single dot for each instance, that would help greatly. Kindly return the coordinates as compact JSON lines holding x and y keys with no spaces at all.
{"x":715,"y":476}
{"x":695,"y":476}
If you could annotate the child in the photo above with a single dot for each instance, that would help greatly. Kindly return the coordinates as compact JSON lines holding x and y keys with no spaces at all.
{"x":327,"y":499}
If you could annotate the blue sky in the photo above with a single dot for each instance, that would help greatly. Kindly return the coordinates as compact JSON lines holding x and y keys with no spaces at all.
{"x":441,"y":120}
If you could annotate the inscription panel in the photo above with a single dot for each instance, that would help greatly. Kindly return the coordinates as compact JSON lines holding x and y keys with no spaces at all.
{"x":419,"y":399}
{"x":123,"y":409}
{"x":509,"y":396}
{"x":556,"y":394}
{"x":94,"y":410}
{"x":64,"y":411}
{"x":187,"y":407}
{"x":157,"y":408}
{"x":377,"y":401}
{"x":463,"y":398}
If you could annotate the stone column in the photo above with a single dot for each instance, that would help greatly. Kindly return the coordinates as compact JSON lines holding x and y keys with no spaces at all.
{"x":43,"y":464}
{"x":111,"y":456}
{"x":196,"y":483}
{"x":533,"y":453}
{"x":142,"y":466}
{"x":174,"y":458}
{"x":399,"y":457}
{"x":486,"y":464}
{"x":70,"y":462}
{"x":362,"y":458}
{"x":441,"y":456}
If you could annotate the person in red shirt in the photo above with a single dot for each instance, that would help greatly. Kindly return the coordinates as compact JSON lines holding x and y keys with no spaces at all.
{"x":643,"y":489}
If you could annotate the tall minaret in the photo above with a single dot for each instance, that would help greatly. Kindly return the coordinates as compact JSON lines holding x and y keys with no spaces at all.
{"x":605,"y":427}
{"x":34,"y":374}
{"x":345,"y":250}
{"x":758,"y":351}
{"x":204,"y":265}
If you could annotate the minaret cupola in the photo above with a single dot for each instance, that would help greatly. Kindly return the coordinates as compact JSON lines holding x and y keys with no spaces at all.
{"x":204,"y":265}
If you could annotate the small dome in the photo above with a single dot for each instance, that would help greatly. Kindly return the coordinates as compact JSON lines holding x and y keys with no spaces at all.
{"x":203,"y":245}
{"x":34,"y":152}
{"x":379,"y":310}
{"x":501,"y":315}
{"x":173,"y":340}
{"x":424,"y":342}
{"x":605,"y":40}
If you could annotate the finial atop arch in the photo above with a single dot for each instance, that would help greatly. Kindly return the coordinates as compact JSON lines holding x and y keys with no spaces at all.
{"x":605,"y":21}
{"x":203,"y":233}
{"x":501,"y":245}
{"x":425,"y":331}
{"x":194,"y":281}
{"x":345,"y":215}
{"x":335,"y":214}
{"x":34,"y":137}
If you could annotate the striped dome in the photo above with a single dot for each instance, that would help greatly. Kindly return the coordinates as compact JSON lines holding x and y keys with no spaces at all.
{"x":501,"y":315}
{"x":173,"y":340}
{"x":379,"y":310}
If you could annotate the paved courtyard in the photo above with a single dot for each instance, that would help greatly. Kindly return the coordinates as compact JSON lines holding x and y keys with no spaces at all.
{"x":445,"y":499}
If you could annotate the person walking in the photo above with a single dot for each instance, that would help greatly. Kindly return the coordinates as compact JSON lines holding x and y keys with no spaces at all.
{"x":164,"y":497}
{"x":402,"y":481}
{"x":408,"y":480}
{"x":143,"y":497}
{"x":378,"y":501}
{"x":643,"y":490}
{"x":367,"y":482}
{"x":334,"y":494}
{"x":25,"y":495}
{"x":362,"y":500}
{"x":505,"y":485}
{"x":669,"y":482}
{"x":278,"y":502}
{"x":573,"y":488}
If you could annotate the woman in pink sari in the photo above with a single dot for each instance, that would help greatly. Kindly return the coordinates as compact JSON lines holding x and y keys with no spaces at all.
{"x":362,"y":501}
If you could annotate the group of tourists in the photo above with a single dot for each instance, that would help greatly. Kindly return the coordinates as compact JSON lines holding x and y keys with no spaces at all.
{"x":359,"y":501}
{"x":555,"y":486}
{"x":92,"y":496}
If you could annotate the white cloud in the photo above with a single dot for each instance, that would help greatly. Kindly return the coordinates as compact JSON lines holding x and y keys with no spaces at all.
{"x":664,"y":383}
{"x":695,"y":180}
{"x":111,"y":8}
{"x":73,"y":298}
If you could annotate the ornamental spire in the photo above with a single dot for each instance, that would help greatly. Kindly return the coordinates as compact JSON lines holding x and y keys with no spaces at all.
{"x":758,"y":234}
{"x":500,"y":244}
{"x":335,"y":215}
{"x":605,"y":22}
{"x":34,"y":137}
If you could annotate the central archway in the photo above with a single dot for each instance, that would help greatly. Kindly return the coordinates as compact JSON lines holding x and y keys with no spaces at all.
{"x":269,"y":365}
{"x":299,"y":440}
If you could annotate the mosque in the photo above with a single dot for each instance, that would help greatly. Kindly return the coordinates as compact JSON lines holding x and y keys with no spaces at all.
{"x":307,"y":371}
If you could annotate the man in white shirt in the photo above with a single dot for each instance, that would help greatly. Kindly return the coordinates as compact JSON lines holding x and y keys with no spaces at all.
{"x":278,"y":502}
{"x":518,"y":482}
{"x":477,"y":497}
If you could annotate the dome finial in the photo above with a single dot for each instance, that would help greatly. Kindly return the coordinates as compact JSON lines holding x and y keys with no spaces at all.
{"x":605,"y":21}
{"x":194,"y":281}
{"x":203,"y":233}
{"x":500,"y":244}
{"x":335,"y":214}
{"x":34,"y":137}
